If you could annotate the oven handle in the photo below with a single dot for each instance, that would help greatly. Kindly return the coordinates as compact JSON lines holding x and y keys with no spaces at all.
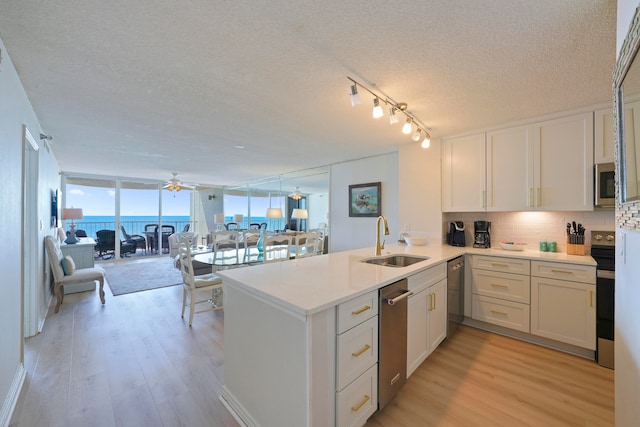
{"x":606,"y":274}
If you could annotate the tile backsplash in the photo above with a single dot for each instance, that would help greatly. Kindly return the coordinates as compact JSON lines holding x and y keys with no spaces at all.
{"x":532,"y":227}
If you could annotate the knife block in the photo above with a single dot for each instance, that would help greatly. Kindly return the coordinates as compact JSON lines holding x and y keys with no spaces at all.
{"x":573,"y":249}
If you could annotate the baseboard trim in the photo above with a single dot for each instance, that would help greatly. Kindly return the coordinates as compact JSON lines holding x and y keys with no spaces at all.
{"x":236,"y":409}
{"x":11,"y":399}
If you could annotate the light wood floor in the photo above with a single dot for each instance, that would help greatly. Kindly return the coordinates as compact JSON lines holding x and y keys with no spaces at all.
{"x":135,"y":362}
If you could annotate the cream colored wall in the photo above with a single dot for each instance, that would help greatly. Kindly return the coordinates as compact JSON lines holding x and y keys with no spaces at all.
{"x":419,"y":188}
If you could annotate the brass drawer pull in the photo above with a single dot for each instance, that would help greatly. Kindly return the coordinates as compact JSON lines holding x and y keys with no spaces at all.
{"x":499,"y":264}
{"x":365,"y":348}
{"x":362,"y":310}
{"x":498,"y":312}
{"x":561,"y":271}
{"x":361,"y":404}
{"x":499,"y":285}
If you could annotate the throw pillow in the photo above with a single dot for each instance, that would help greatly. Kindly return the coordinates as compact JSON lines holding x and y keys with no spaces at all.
{"x":68,"y":266}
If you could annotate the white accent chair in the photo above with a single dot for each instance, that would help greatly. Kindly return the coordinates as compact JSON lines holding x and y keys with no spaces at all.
{"x":276,"y":248}
{"x":174,"y":241}
{"x":192,"y":284}
{"x":80,"y":275}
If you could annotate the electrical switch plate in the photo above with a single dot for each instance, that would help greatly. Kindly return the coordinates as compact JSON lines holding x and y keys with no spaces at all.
{"x":41,"y":225}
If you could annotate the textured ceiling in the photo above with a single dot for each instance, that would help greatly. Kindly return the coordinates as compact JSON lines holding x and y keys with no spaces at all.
{"x":149,"y":87}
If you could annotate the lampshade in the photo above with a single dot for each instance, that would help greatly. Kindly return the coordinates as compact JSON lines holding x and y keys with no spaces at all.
{"x":219,"y":218}
{"x":274,"y":213}
{"x":71,"y":213}
{"x":300,"y":214}
{"x":238,"y":217}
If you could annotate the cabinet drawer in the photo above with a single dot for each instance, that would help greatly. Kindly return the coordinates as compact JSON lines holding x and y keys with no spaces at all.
{"x":357,"y":350}
{"x":509,"y":314}
{"x":507,"y":265}
{"x":357,"y":310}
{"x":562,"y":271}
{"x":508,"y":286}
{"x":359,"y":401}
{"x":426,"y":278}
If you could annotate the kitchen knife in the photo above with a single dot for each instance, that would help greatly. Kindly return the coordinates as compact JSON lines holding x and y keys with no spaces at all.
{"x":575,"y":228}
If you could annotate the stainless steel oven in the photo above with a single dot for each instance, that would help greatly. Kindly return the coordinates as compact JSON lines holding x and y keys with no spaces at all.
{"x":604,"y":187}
{"x":603,"y":246}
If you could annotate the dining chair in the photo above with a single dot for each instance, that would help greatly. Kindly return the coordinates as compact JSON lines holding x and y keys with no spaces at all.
{"x":254,"y":226}
{"x":174,"y":241}
{"x":232,"y":226}
{"x":306,"y":245}
{"x":139,"y":241}
{"x":276,"y":248}
{"x":192,"y":284}
{"x":225,"y":245}
{"x":249,"y":239}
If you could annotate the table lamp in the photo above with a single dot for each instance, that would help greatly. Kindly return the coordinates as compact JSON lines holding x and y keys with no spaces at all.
{"x":72,"y":214}
{"x":238,"y":218}
{"x":219,"y":221}
{"x":299,"y":214}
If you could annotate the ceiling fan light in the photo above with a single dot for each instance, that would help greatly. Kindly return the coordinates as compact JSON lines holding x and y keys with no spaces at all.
{"x":406,"y":129}
{"x":354,"y":95}
{"x":377,"y":109}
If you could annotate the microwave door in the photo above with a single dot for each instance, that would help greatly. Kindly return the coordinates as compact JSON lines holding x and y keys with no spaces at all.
{"x":604,"y":188}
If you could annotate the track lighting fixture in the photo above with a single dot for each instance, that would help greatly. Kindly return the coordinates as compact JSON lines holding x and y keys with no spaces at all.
{"x":394,"y":108}
{"x":355,"y":96}
{"x":406,"y":129}
{"x":377,"y":109}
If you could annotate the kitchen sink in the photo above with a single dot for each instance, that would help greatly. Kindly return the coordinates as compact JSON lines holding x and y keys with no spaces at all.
{"x":395,"y":260}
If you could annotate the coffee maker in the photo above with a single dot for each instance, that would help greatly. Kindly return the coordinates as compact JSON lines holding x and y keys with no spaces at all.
{"x":455,"y":236}
{"x":481,"y":237}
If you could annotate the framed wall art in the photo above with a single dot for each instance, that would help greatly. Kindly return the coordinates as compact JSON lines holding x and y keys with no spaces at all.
{"x":364,"y":200}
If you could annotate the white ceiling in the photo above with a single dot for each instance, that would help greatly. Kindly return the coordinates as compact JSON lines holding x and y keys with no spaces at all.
{"x":149,"y":87}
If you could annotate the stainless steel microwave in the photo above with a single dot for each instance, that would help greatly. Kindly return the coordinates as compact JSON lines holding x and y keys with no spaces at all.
{"x":605,"y":186}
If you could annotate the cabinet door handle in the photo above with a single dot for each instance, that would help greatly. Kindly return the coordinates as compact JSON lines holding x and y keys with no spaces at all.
{"x":538,"y":196}
{"x":359,"y":353}
{"x":499,"y":285}
{"x":361,"y":404}
{"x":590,"y":298}
{"x":498,"y":312}
{"x":484,"y":199}
{"x":362,"y":310}
{"x":561,"y":271}
{"x":530,"y":197}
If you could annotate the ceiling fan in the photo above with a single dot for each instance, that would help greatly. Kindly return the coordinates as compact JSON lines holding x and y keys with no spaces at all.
{"x":174,"y":184}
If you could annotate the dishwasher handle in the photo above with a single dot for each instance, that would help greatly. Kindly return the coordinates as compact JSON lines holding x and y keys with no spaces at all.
{"x":405,"y":294}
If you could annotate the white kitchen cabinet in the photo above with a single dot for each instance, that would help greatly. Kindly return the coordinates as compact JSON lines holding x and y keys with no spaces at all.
{"x":500,"y":291}
{"x":464,"y":174}
{"x":426,"y":314}
{"x":603,"y":136}
{"x":544,"y":166}
{"x":564,"y":158}
{"x":563,"y":303}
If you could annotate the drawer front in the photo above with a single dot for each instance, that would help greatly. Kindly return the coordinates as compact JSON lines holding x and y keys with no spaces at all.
{"x":357,"y":350}
{"x":508,"y":286}
{"x":503,"y":264}
{"x":562,"y":271}
{"x":357,"y":310}
{"x":359,"y":401}
{"x":509,"y":314}
{"x":426,"y":278}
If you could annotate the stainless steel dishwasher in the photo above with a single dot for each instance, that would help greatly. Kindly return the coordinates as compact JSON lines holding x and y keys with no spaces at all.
{"x":455,"y":294}
{"x":392,"y":348}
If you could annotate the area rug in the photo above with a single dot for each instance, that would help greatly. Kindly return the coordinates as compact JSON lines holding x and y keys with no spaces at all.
{"x":126,"y":277}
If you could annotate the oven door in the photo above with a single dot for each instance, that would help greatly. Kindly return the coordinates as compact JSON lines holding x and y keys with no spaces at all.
{"x":605,"y":291}
{"x":604,"y":186}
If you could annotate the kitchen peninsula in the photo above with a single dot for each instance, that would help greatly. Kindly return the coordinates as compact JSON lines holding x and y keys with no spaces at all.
{"x":282,"y":321}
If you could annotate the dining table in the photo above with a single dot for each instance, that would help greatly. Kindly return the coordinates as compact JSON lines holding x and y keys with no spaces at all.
{"x":227,"y":258}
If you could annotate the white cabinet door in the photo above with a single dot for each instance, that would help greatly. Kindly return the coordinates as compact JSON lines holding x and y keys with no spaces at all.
{"x":463,"y":174}
{"x":564,"y":155}
{"x":417,"y":345}
{"x":437,"y":314}
{"x":603,"y":137}
{"x":510,"y":169}
{"x":564,"y":311}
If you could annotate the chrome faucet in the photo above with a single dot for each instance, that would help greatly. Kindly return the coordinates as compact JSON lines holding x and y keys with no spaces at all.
{"x":380,"y":247}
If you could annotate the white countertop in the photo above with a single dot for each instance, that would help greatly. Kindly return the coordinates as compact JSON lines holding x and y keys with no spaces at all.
{"x":309,"y":285}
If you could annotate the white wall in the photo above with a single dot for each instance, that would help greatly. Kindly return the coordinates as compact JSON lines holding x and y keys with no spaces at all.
{"x":357,"y":232}
{"x":627,"y":316}
{"x":419,"y":189}
{"x":16,"y":111}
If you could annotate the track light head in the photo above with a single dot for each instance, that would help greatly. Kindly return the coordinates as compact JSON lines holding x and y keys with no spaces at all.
{"x":377,"y":109}
{"x":406,"y":129}
{"x":416,"y":135}
{"x":426,"y":142}
{"x":354,"y":95}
